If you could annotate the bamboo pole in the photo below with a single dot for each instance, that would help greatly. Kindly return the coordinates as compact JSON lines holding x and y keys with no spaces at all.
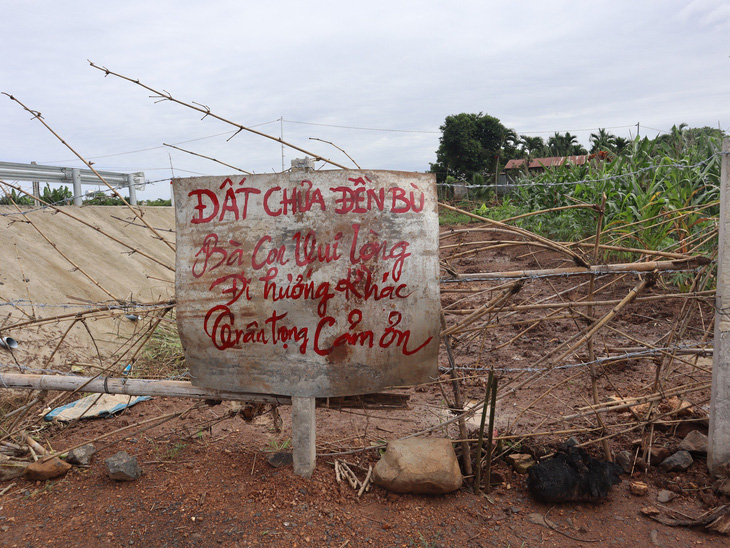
{"x":485,"y":405}
{"x":591,"y":351}
{"x":458,"y":401}
{"x":678,"y":264}
{"x":132,"y":387}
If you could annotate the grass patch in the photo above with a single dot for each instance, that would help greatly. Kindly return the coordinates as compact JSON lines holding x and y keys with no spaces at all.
{"x":163,"y":355}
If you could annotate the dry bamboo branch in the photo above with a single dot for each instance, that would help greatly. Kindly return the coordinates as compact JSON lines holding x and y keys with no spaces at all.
{"x":493,"y":245}
{"x":648,"y":252}
{"x":208,"y":158}
{"x":37,"y":116}
{"x":633,"y":402}
{"x":165,"y":96}
{"x":486,"y":309}
{"x":522,"y":232}
{"x":156,"y":420}
{"x":90,"y":311}
{"x":458,"y":402}
{"x":588,"y":333}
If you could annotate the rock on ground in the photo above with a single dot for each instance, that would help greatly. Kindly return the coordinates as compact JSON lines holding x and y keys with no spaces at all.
{"x":679,"y":462}
{"x":81,"y":455}
{"x":123,"y":467}
{"x":694,"y":442}
{"x":45,"y":470}
{"x":419,"y":465}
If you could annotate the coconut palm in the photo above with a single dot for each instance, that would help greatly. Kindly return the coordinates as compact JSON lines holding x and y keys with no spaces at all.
{"x":602,"y":141}
{"x":533,"y":147}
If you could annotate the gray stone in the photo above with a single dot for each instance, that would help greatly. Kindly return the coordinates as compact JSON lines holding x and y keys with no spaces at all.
{"x":679,"y":462}
{"x":665,"y":496}
{"x":694,"y":442}
{"x":625,"y":460}
{"x":419,"y":465}
{"x":81,"y":455}
{"x":123,"y":467}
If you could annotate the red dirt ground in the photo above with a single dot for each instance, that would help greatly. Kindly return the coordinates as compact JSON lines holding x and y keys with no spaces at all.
{"x":207,"y":482}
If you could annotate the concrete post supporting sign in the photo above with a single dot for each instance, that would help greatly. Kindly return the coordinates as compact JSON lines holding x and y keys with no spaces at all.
{"x":303,"y":436}
{"x":719,"y":432}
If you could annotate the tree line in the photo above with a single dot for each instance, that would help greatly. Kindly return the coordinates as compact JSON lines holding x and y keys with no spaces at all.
{"x":476,"y":146}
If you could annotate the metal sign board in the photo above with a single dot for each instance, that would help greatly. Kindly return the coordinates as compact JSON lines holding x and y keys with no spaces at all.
{"x":309,"y":283}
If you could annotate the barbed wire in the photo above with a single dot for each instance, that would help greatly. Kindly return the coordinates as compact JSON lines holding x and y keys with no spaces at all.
{"x":563,"y":274}
{"x":160,"y":146}
{"x":363,"y":128}
{"x":603,"y":179}
{"x":598,"y":361}
{"x":17,"y":303}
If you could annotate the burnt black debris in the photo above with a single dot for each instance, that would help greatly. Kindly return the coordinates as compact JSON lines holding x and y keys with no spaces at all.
{"x":572,"y":475}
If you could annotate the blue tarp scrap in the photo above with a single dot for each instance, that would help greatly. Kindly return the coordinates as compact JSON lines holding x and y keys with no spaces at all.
{"x":94,"y":405}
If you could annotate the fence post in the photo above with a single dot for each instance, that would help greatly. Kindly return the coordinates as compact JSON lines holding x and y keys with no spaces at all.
{"x":719,"y":431}
{"x":76,"y":174}
{"x":132,"y":189}
{"x":36,"y":191}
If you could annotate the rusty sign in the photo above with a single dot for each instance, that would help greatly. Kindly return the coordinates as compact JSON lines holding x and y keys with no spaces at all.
{"x":309,"y":283}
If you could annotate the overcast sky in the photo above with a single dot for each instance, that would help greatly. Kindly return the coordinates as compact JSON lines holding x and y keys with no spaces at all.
{"x":377,"y":80}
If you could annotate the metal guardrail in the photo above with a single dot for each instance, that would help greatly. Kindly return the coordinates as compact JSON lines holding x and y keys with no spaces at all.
{"x":74,"y":176}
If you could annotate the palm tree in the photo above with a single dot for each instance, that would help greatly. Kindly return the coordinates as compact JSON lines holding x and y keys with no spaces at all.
{"x":621,"y":145}
{"x":507,"y":148}
{"x":533,"y":147}
{"x":602,"y":141}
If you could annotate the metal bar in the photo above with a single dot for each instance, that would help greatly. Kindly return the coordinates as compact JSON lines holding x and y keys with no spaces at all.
{"x":56,"y":174}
